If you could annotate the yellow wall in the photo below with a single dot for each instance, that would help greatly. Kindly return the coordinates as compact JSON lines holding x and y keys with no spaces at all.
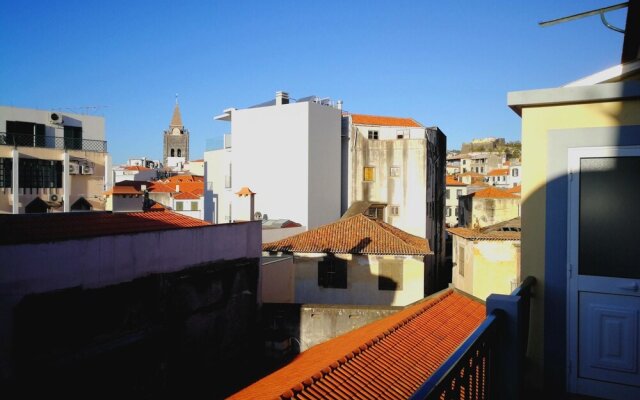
{"x":536,"y":123}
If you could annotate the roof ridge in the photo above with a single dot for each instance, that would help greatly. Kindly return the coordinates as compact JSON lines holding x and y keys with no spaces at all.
{"x":358,"y":351}
{"x":388,"y":228}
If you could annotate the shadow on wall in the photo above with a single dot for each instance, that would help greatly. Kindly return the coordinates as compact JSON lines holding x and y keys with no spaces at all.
{"x":606,"y":245}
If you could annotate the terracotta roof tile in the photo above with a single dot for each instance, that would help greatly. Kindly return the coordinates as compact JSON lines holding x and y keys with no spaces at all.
{"x":184,"y":178}
{"x":186,"y":196}
{"x":499,"y":172}
{"x":451,"y":181}
{"x":506,"y":230}
{"x":515,"y":190}
{"x":493,"y":192}
{"x":123,"y":190}
{"x":40,"y":228}
{"x":389,"y":358}
{"x":362,"y":119}
{"x":245,"y":191}
{"x":136,"y":168}
{"x":354,"y":235}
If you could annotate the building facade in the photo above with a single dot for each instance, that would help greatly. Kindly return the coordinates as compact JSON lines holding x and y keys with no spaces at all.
{"x":52,"y":161}
{"x":487,"y":207}
{"x":288,"y":153}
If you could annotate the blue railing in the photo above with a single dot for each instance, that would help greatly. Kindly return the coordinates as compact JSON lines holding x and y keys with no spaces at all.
{"x":489,"y":364}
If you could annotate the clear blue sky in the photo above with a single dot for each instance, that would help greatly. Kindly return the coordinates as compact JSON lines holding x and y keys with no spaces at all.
{"x":445,"y":63}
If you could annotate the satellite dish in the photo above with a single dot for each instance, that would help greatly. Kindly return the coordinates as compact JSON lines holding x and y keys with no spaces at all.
{"x":257,"y":215}
{"x":53,"y":197}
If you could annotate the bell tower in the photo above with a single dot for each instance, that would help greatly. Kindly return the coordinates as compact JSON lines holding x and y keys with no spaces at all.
{"x":176,"y":140}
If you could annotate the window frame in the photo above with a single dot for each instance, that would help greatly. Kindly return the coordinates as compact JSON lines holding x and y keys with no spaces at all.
{"x":332,"y":273}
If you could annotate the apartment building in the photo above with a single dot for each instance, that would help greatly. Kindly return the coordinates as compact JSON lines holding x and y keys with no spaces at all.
{"x":52,"y":161}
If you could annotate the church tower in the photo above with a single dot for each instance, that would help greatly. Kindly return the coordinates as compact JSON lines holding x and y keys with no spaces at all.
{"x":176,"y":140}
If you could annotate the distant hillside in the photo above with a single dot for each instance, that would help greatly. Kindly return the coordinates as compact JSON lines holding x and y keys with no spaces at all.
{"x":511,"y":149}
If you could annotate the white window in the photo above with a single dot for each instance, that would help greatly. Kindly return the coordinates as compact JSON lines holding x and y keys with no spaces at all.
{"x":395,"y":211}
{"x":394,"y":172}
{"x":373,"y":135}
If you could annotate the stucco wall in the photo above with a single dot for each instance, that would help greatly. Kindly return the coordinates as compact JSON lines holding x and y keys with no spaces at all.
{"x":218,"y":167}
{"x":362,"y":282}
{"x":539,"y":124}
{"x":108,"y":260}
{"x":277,"y":279}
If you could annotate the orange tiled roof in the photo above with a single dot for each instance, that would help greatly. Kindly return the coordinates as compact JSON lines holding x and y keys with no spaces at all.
{"x":386,"y":359}
{"x":137,"y":168}
{"x":184,"y":178}
{"x":354,"y":235}
{"x":123,"y":190}
{"x":53,"y":227}
{"x":493,"y":192}
{"x":362,"y":119}
{"x":245,"y":191}
{"x":159,"y":187}
{"x":186,"y":196}
{"x":515,"y":190}
{"x":451,"y":181}
{"x":499,"y":172}
{"x":506,"y":230}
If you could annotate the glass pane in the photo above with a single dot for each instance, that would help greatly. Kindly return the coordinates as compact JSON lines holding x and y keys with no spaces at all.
{"x":609,"y":219}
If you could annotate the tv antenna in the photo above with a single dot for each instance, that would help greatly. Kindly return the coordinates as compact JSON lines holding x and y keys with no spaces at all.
{"x":601,"y":11}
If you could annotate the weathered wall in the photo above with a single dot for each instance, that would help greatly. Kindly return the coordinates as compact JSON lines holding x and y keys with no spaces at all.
{"x":277,"y":280}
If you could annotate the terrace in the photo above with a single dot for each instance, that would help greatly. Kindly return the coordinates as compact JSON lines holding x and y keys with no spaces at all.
{"x":52,"y":142}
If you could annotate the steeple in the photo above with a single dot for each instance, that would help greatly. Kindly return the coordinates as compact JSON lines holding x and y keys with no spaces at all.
{"x":176,"y":120}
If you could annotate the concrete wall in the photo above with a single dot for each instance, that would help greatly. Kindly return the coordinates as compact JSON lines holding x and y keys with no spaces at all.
{"x":490,"y":266}
{"x":487,"y":211}
{"x":277,"y":280}
{"x":92,"y":126}
{"x":407,"y":191}
{"x":271,"y":235}
{"x":109,"y":260}
{"x":540,"y":125}
{"x":362,"y":282}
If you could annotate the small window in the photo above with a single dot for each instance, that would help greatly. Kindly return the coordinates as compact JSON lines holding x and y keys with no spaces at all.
{"x":514,"y":172}
{"x":173,"y":152}
{"x":332,"y":273}
{"x":447,"y":193}
{"x":376,"y":211}
{"x":390,"y":275}
{"x":373,"y":135}
{"x":179,"y":206}
{"x":461,"y":261}
{"x":194,"y":206}
{"x":448,"y":211}
{"x":459,"y":192}
{"x":394,"y":172}
{"x":369,"y":174}
{"x":456,"y":211}
{"x":179,"y":153}
{"x":395,"y":211}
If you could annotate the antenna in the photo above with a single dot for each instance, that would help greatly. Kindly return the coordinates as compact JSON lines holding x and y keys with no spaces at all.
{"x":585,"y":14}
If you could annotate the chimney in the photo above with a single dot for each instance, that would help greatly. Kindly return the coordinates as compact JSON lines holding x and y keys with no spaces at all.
{"x":339,"y":105}
{"x":282,"y":98}
{"x":178,"y":188}
{"x":247,"y":204}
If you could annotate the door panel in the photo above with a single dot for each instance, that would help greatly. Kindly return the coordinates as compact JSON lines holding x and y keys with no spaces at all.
{"x":603,"y":295}
{"x":609,"y":338}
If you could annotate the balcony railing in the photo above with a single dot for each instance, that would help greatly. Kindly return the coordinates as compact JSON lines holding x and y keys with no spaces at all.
{"x":489,"y":364}
{"x":52,"y":142}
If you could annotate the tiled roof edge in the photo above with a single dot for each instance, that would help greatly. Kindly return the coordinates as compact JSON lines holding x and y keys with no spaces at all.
{"x":319,"y":375}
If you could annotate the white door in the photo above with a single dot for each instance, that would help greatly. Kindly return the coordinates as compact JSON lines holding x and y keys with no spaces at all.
{"x":603,"y":304}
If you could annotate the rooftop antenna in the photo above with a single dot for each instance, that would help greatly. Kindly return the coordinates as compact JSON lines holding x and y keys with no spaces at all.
{"x":601,"y":11}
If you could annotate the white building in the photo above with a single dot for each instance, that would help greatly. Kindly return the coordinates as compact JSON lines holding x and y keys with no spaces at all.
{"x":288,"y":153}
{"x":455,"y":189}
{"x":52,"y":161}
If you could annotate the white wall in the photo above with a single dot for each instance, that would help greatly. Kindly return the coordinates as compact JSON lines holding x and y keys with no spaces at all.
{"x":218,"y":167}
{"x":290,"y":156}
{"x":362,"y":282}
{"x":92,"y":126}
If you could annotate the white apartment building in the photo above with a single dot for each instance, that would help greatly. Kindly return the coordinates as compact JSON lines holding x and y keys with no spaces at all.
{"x":288,"y":153}
{"x":52,"y":161}
{"x":454,"y":190}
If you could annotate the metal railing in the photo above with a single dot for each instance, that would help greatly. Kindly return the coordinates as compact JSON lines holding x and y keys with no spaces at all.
{"x":52,"y":142}
{"x":490,"y":363}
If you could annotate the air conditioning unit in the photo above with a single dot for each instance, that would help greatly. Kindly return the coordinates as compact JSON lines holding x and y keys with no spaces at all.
{"x":74,"y":168}
{"x":56,"y":118}
{"x":53,"y":197}
{"x":87,"y":170}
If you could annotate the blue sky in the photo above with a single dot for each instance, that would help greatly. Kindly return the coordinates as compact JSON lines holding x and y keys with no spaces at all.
{"x":447,"y":63}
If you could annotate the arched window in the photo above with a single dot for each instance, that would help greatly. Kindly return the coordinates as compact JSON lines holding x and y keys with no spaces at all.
{"x":179,"y":153}
{"x":173,"y":153}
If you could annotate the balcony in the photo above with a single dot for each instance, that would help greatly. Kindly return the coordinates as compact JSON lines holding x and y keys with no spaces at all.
{"x":490,"y":363}
{"x":52,"y":142}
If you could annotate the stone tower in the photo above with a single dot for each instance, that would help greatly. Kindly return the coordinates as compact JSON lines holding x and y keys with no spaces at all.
{"x":176,"y":140}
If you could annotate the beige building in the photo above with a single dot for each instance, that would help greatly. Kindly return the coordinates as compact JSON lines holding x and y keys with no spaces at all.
{"x":51,"y":161}
{"x":455,"y":189}
{"x":486,"y":260}
{"x":357,"y":260}
{"x":487,"y":207}
{"x":581,"y":154}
